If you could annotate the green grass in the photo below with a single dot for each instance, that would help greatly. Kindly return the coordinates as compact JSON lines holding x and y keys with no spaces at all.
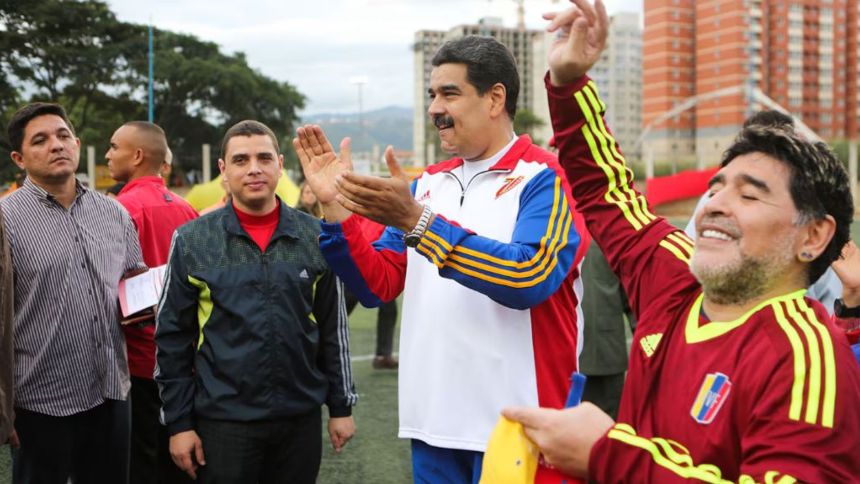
{"x":375,"y":454}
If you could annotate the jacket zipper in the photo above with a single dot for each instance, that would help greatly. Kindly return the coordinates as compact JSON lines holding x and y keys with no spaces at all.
{"x":463,"y":189}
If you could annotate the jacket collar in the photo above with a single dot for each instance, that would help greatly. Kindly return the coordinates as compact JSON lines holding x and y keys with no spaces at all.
{"x":506,"y":163}
{"x":144,"y":180}
{"x":286,"y":221}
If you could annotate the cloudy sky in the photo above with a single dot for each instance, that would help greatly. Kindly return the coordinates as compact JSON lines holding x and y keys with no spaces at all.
{"x":320,"y":45}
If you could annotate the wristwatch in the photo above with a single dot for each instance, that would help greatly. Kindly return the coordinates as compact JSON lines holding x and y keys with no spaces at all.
{"x":413,"y":237}
{"x":842,"y":311}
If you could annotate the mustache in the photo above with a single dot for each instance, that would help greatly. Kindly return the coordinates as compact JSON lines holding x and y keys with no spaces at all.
{"x":721,"y":223}
{"x":442,"y":121}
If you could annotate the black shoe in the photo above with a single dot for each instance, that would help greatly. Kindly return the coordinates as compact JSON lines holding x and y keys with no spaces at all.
{"x":385,"y":363}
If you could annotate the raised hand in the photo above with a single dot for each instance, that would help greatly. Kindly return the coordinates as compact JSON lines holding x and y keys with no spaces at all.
{"x":321,"y":164}
{"x":580,"y":38}
{"x":385,"y":200}
{"x":847,"y":268}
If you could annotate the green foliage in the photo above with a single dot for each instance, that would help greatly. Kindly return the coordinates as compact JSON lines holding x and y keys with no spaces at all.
{"x":525,"y":122}
{"x":840,"y":148}
{"x":78,"y":54}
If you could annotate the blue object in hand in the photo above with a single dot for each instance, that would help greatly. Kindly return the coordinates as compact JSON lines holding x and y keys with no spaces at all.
{"x":577,"y":386}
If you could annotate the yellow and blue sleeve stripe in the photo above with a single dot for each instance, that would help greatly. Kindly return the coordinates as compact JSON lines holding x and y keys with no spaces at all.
{"x":360,"y":269}
{"x":519,"y":274}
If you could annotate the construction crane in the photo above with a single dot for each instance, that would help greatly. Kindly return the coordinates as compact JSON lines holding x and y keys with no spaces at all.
{"x":521,"y":13}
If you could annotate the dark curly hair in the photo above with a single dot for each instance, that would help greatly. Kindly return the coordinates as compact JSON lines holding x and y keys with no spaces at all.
{"x":818,"y":182}
{"x":488,"y":62}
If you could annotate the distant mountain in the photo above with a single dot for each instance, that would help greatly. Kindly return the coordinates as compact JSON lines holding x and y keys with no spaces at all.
{"x":390,"y":125}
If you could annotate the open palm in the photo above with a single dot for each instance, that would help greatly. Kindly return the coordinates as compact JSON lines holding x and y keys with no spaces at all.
{"x":580,"y":38}
{"x":847,"y":268}
{"x":320,"y":164}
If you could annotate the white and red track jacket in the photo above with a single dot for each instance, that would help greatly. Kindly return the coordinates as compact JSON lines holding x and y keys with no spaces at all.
{"x":491,"y":313}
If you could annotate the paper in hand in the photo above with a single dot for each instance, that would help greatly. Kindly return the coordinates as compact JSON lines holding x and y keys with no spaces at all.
{"x":141,"y":291}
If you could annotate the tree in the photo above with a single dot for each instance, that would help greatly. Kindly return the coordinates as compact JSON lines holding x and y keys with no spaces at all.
{"x":78,"y":54}
{"x":525,"y":122}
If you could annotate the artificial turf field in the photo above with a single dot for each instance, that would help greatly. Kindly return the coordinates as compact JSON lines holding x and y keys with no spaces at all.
{"x":375,"y":455}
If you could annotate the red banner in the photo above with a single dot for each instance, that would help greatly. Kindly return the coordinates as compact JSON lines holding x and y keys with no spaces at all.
{"x":686,"y":184}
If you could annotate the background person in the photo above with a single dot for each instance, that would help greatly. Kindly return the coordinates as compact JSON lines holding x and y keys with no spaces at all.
{"x":7,"y":350}
{"x":70,"y":248}
{"x":135,"y":158}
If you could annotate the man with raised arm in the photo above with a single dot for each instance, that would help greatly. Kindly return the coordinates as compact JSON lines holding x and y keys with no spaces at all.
{"x":734,"y":375}
{"x":483,"y":247}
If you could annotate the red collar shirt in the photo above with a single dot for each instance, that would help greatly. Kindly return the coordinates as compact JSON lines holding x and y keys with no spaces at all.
{"x":157,"y":213}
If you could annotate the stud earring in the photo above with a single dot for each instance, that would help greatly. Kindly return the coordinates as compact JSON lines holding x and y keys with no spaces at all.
{"x":805,"y":256}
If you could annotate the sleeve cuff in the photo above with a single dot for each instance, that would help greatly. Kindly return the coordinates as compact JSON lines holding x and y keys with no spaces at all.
{"x":598,"y":451}
{"x":350,"y":224}
{"x":338,"y":412}
{"x":566,"y":91}
{"x":181,"y":425}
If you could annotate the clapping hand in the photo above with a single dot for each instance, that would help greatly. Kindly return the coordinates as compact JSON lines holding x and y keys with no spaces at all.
{"x":321,"y":166}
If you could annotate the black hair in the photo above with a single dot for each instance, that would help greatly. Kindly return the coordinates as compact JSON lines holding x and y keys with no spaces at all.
{"x":488,"y":62}
{"x":818,"y":182}
{"x":248,"y":127}
{"x":22,"y":117}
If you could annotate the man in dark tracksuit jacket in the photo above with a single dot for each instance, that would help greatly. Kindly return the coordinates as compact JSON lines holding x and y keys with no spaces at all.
{"x":252,"y":332}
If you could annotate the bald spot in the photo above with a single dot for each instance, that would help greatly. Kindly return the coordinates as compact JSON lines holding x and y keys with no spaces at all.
{"x":151,"y":139}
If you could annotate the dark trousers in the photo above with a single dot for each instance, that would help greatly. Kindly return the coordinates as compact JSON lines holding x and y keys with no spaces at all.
{"x":266,"y":452}
{"x":150,"y":444}
{"x":386,"y":320}
{"x":90,"y":447}
{"x":605,"y":392}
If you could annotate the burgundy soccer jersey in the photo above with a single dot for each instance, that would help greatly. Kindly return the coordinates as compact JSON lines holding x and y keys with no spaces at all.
{"x":771,"y":397}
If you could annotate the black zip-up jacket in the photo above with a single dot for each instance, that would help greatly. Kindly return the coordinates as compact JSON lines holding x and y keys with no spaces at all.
{"x":246,"y":335}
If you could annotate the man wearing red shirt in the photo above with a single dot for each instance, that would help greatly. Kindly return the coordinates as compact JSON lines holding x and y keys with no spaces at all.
{"x":137,"y":152}
{"x":734,"y":375}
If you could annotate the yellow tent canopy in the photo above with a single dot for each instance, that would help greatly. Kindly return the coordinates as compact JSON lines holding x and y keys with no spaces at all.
{"x":205,"y":195}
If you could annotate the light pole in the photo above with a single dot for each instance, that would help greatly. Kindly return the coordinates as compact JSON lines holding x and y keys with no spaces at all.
{"x":359,"y":81}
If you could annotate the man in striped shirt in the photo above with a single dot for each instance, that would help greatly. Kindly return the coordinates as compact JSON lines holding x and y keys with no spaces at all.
{"x":6,"y":376}
{"x":70,"y":248}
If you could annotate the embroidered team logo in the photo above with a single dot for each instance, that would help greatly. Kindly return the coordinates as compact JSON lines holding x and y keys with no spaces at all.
{"x":649,"y":343}
{"x":712,"y":395}
{"x":510,"y":183}
{"x":426,"y":196}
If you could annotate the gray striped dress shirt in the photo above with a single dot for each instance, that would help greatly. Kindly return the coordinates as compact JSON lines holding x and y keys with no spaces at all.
{"x":69,"y":348}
